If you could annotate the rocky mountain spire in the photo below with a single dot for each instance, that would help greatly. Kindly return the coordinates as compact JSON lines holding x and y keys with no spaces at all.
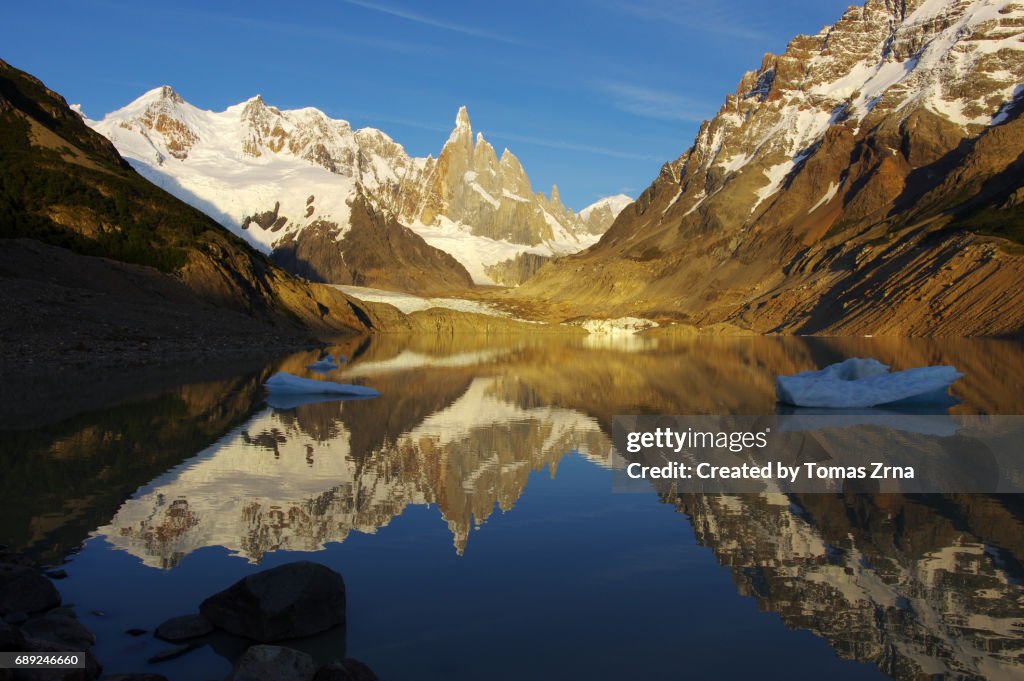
{"x":466,"y":186}
{"x":461,"y":136}
{"x":462,"y":119}
{"x":168,"y":93}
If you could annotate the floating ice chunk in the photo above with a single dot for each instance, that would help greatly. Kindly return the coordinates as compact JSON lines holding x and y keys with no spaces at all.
{"x":865,"y":383}
{"x":283,"y":383}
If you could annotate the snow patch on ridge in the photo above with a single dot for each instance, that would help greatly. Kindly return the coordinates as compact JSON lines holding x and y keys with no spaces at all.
{"x":830,"y":193}
{"x":776,"y":176}
{"x":483,"y":192}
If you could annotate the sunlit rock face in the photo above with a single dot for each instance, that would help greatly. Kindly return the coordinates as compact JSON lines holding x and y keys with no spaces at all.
{"x":885,"y":579}
{"x":851,"y":184}
{"x":301,"y":181}
{"x":470,"y":185}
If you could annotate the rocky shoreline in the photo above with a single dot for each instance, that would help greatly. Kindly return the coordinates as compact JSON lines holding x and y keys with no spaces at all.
{"x":285,"y":603}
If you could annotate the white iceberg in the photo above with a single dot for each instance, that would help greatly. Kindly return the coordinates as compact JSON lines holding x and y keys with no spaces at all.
{"x":283,"y":383}
{"x":859,"y":383}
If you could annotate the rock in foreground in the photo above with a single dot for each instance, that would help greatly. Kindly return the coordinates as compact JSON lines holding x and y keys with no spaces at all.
{"x":61,"y":629}
{"x":289,"y":601}
{"x":349,"y":670}
{"x":91,"y":670}
{"x":260,"y":663}
{"x":23,"y":589}
{"x":183,"y":628}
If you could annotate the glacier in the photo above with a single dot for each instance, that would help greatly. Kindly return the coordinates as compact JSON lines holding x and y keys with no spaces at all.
{"x":268,"y":174}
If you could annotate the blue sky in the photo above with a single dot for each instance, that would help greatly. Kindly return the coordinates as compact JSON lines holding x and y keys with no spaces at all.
{"x":593,"y":95}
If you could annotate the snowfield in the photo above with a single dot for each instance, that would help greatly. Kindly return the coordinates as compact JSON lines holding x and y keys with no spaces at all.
{"x":407,"y":302}
{"x":477,"y":252}
{"x":616,"y":204}
{"x":617,"y":327}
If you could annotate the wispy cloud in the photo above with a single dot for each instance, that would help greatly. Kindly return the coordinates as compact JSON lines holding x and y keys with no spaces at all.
{"x":722,"y":18}
{"x":375,"y":119}
{"x":660,"y":104}
{"x":305,"y":31}
{"x":437,"y":23}
{"x":572,"y":146}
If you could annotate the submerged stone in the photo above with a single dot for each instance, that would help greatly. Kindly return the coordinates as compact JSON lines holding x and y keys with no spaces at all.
{"x":262,"y":662}
{"x":172,"y":652}
{"x":289,"y":601}
{"x":183,"y":628}
{"x":59,"y":628}
{"x":23,"y":589}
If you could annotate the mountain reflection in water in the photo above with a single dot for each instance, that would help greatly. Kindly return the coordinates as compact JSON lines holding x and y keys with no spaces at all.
{"x":915,"y":585}
{"x":291,"y":480}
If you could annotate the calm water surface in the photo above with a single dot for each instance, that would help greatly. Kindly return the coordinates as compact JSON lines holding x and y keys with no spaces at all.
{"x":470,"y":510}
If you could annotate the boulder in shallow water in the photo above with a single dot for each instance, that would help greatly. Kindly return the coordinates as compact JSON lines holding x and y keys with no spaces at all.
{"x":16,"y":618}
{"x":91,"y":670}
{"x":289,"y":601}
{"x":172,"y":653}
{"x":10,"y":637}
{"x":22,"y":588}
{"x":59,"y":628}
{"x":183,"y":628}
{"x":262,"y":663}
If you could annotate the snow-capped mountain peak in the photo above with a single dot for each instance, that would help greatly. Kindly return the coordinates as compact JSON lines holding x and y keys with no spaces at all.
{"x":268,"y":174}
{"x":960,"y":59}
{"x":614,"y":204}
{"x":886,"y":148}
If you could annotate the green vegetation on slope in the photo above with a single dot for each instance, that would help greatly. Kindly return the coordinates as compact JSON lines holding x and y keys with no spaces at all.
{"x":1007,"y":223}
{"x":72,"y":189}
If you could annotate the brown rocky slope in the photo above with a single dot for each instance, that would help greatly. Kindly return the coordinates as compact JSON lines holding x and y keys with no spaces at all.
{"x":866,"y":181}
{"x":375,"y":251}
{"x":95,"y":255}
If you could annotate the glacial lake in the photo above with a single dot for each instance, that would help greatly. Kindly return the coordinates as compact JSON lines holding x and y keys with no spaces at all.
{"x":470,"y":510}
